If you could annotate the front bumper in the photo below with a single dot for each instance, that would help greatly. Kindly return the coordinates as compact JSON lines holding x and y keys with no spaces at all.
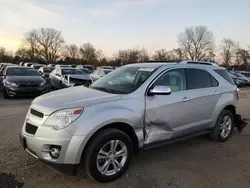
{"x":40,"y":144}
{"x":25,"y":91}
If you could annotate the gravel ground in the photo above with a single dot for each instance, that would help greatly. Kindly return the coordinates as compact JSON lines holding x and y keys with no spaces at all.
{"x":196,"y":163}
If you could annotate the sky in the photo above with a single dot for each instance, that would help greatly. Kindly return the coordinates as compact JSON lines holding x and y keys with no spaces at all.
{"x":111,"y":25}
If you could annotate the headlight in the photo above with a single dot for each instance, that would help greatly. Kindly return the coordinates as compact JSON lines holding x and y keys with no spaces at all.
{"x":11,"y":83}
{"x":61,"y":119}
{"x":43,"y":83}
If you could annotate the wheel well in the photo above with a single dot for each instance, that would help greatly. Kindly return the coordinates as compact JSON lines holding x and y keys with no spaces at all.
{"x":231,"y":108}
{"x":126,"y":128}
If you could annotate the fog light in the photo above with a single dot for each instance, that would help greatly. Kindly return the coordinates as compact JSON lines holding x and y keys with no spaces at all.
{"x":55,"y":151}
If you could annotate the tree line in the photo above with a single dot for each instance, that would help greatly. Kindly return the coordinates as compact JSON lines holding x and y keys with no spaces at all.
{"x":47,"y":45}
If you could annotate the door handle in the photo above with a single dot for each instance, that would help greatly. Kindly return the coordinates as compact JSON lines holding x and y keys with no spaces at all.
{"x":185,"y":99}
{"x":216,"y":93}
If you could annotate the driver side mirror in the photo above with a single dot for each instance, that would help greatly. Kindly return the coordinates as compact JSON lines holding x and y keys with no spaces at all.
{"x":160,"y":90}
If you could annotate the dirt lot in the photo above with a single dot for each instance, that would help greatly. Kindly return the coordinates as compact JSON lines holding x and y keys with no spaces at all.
{"x":198,"y":162}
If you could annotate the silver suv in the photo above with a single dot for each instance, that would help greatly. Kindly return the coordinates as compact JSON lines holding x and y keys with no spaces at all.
{"x":134,"y":107}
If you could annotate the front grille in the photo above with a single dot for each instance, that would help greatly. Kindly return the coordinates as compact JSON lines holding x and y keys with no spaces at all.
{"x":78,"y":82}
{"x":36,"y":113}
{"x":28,"y":85}
{"x":31,"y":129}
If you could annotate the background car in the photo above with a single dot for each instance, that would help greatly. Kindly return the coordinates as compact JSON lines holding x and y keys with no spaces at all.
{"x":22,"y":81}
{"x":28,"y":64}
{"x":237,"y":80}
{"x":99,"y":73}
{"x":51,"y":65}
{"x":37,"y":66}
{"x":45,"y":71}
{"x":63,"y":77}
{"x":3,"y":67}
{"x":243,"y":77}
{"x":58,"y":65}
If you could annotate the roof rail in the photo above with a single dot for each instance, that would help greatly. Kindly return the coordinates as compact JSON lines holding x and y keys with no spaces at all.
{"x":198,"y":62}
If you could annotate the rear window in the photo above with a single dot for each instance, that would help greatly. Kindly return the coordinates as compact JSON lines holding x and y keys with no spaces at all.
{"x":225,"y":75}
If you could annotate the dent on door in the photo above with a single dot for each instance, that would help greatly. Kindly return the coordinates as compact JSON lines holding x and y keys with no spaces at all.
{"x":156,"y":127}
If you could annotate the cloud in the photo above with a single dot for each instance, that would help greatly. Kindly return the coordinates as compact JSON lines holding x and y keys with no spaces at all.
{"x":26,"y":15}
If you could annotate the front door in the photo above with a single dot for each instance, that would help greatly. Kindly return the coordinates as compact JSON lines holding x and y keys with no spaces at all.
{"x":166,"y":114}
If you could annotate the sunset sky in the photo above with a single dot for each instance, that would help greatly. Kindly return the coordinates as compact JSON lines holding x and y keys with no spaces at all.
{"x":119,"y":24}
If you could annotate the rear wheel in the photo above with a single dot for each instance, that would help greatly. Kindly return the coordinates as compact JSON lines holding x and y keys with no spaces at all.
{"x":224,"y":126}
{"x":108,"y":155}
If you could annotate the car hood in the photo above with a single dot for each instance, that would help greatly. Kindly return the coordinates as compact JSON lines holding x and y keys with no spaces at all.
{"x":79,"y":76}
{"x":24,"y":79}
{"x":70,"y":98}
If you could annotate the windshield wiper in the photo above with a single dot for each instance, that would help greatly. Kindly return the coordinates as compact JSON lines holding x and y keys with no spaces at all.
{"x":107,"y":90}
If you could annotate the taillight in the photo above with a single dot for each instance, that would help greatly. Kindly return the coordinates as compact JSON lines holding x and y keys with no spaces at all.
{"x":237,"y":94}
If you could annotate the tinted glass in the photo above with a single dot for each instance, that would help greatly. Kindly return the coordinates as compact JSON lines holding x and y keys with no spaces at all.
{"x":224,"y":74}
{"x":214,"y":82}
{"x":48,"y":69}
{"x":21,"y":72}
{"x":197,"y":79}
{"x":107,"y":71}
{"x":175,"y":79}
{"x":72,"y":71}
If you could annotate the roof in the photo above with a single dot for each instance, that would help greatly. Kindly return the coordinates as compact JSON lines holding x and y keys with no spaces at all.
{"x":157,"y":65}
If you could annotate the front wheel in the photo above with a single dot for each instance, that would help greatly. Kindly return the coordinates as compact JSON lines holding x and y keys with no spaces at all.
{"x":224,"y":126}
{"x":108,"y":155}
{"x":5,"y":94}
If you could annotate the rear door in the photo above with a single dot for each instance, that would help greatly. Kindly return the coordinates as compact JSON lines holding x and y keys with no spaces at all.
{"x":202,"y":88}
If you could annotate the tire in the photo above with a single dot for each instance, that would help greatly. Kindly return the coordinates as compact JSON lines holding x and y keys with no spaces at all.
{"x":102,"y":141}
{"x":217,"y":133}
{"x":5,"y":94}
{"x":60,"y":86}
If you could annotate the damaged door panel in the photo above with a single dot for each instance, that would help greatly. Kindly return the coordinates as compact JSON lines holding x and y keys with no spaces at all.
{"x":164,"y":115}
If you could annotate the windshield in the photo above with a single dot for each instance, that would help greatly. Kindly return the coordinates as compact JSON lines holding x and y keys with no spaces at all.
{"x":72,"y":71}
{"x":87,"y":71}
{"x":48,"y":69}
{"x":37,"y":66}
{"x":22,"y":72}
{"x":107,"y":71}
{"x":123,"y":80}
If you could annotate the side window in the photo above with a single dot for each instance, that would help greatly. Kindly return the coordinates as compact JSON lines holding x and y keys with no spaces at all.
{"x":224,"y":74}
{"x":214,"y":82}
{"x":197,"y":78}
{"x":175,"y":79}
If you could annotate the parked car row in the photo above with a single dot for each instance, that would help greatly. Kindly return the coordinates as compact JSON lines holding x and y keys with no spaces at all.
{"x":239,"y":78}
{"x":55,"y":77}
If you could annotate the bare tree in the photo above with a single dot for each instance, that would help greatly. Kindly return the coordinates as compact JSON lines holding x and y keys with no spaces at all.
{"x":228,"y":48}
{"x":88,"y":53}
{"x":31,"y":45}
{"x":22,"y":53}
{"x":179,"y":54}
{"x":197,"y":42}
{"x":163,"y":55}
{"x":244,"y":57}
{"x":143,"y":55}
{"x":128,"y":56}
{"x":71,"y":51}
{"x":2,"y":52}
{"x":46,"y":42}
